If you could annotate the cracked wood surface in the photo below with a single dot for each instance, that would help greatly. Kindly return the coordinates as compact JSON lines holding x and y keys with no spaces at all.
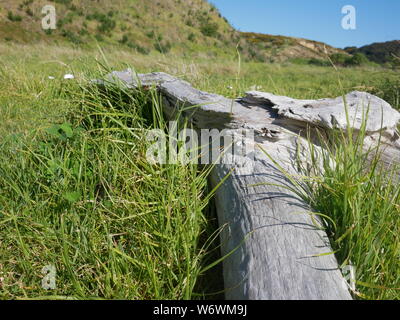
{"x":278,"y":250}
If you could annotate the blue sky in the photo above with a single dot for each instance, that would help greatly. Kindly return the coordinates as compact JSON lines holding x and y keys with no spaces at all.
{"x":376,"y":20}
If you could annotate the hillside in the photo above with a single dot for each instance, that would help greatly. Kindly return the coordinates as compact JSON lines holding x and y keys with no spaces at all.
{"x":280,"y":48}
{"x":142,"y":25}
{"x":379,"y":52}
{"x":184,"y":26}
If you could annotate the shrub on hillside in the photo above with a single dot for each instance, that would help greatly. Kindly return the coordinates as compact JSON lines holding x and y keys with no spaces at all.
{"x":138,"y":48}
{"x":83,"y":32}
{"x":106,"y":25}
{"x":357,"y":59}
{"x":151,"y":34}
{"x":124,"y":39}
{"x":13,"y":17}
{"x":69,"y":18}
{"x":48,"y":32}
{"x":99,"y":37}
{"x":29,"y":12}
{"x":163,"y":47}
{"x":299,"y":61}
{"x":319,"y":62}
{"x":313,"y":62}
{"x":339,"y":58}
{"x":192,"y":37}
{"x":72,"y":37}
{"x":209,"y":29}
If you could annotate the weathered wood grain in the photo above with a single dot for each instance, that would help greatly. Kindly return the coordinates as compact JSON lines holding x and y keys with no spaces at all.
{"x":279,"y":251}
{"x":380,"y":119}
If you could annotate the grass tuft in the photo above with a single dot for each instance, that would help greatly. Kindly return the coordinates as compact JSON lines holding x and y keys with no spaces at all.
{"x":357,"y":199}
{"x":80,"y":195}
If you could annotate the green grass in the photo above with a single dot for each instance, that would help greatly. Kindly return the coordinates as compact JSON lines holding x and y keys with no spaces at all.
{"x":76,"y":190}
{"x":362,"y":200}
{"x":357,"y":199}
{"x":80,"y":194}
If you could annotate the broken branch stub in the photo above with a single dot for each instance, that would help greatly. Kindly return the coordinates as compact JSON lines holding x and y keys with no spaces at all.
{"x":276,"y":247}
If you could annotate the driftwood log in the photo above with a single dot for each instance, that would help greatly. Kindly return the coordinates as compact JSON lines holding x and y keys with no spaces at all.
{"x":277,"y":250}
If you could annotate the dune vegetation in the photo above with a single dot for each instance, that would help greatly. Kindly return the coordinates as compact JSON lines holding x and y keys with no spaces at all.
{"x":77,"y":193}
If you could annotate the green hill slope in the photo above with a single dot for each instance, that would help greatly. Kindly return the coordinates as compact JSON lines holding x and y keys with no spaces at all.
{"x":280,"y":48}
{"x":142,"y":25}
{"x":181,"y":26}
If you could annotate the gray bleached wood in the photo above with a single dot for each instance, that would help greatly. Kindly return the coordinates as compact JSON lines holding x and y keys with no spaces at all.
{"x":278,"y":248}
{"x":331,"y":113}
{"x":297,"y":115}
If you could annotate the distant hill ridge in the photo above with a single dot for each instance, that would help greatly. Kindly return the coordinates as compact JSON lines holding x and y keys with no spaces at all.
{"x":281,"y":48}
{"x":379,"y":52}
